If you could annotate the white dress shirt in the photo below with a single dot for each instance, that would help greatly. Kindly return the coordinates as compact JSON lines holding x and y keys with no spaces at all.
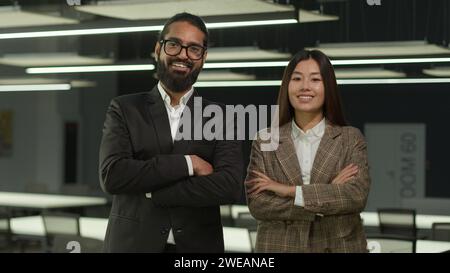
{"x":306,"y":145}
{"x":174,"y":113}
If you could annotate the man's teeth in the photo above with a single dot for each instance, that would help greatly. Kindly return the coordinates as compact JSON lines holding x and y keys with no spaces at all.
{"x":180,"y":65}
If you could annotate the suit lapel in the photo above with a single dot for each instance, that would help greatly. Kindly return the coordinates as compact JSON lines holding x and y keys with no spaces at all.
{"x":327,"y":155}
{"x":287,"y":155}
{"x":158,"y":114}
{"x":193,"y":115}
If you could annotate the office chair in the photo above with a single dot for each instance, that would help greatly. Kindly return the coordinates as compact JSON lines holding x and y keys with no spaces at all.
{"x":441,"y":231}
{"x":395,"y":221}
{"x":56,"y":223}
{"x":226,"y":215}
{"x":246,"y":220}
{"x":391,"y":244}
{"x":5,"y":230}
{"x":252,"y":234}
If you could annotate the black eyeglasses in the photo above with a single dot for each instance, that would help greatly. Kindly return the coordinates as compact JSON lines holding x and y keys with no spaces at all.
{"x":173,"y":48}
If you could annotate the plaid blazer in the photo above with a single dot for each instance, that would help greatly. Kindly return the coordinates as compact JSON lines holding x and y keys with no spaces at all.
{"x":330,"y":220}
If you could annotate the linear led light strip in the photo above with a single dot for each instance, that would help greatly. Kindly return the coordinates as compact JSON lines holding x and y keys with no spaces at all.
{"x":393,"y":81}
{"x":140,"y":67}
{"x":90,"y":68}
{"x":74,"y":32}
{"x":340,"y":82}
{"x":34,"y":87}
{"x":390,"y":61}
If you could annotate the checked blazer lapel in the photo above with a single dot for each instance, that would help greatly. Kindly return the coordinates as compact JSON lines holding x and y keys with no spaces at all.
{"x":287,"y":156}
{"x":327,"y":156}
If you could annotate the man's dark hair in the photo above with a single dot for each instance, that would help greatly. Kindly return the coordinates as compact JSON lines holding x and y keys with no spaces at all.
{"x":186,"y":17}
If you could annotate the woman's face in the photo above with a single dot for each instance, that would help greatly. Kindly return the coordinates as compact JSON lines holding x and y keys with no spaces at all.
{"x":306,"y":89}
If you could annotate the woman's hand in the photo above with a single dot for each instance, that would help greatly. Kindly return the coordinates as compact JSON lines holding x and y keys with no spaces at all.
{"x":263,"y":183}
{"x":346,"y":174}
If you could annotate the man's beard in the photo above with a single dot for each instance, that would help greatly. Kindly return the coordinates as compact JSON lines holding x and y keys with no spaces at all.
{"x":176,"y":82}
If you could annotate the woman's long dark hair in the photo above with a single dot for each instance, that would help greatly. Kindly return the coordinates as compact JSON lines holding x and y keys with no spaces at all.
{"x":332,"y":108}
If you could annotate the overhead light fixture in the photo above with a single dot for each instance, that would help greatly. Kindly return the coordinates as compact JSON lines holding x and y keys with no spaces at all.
{"x":244,"y":53}
{"x":393,"y":81}
{"x":215,"y":75}
{"x":92,"y":31}
{"x":245,"y":64}
{"x":221,"y":65}
{"x":12,"y":16}
{"x":437,"y":72}
{"x":75,"y":32}
{"x":339,"y":82}
{"x":34,"y":87}
{"x":236,"y":83}
{"x":381,"y":49}
{"x":251,"y":23}
{"x":51,"y":59}
{"x":390,"y":61}
{"x":89,"y":69}
{"x":154,"y":10}
{"x":367,"y":73}
{"x":307,"y":16}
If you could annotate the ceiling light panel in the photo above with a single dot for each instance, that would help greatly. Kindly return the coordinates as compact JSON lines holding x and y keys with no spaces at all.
{"x":166,"y":9}
{"x":378,"y":49}
{"x":12,"y":17}
{"x":50,"y":59}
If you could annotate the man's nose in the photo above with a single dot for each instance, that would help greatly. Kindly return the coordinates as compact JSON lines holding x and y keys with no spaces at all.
{"x":183,"y":54}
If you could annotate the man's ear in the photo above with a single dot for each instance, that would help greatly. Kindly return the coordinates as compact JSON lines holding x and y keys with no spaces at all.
{"x":157,"y":51}
{"x":204,"y":56}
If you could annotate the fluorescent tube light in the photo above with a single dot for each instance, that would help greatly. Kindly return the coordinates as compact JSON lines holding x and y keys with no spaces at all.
{"x":236,"y":83}
{"x":390,"y":61}
{"x":34,"y":87}
{"x":74,"y":32}
{"x":340,"y":82}
{"x":392,"y":81}
{"x":91,"y":68}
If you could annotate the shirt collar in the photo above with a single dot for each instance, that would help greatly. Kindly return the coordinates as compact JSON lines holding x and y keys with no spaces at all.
{"x":166,"y":98}
{"x":316,"y":131}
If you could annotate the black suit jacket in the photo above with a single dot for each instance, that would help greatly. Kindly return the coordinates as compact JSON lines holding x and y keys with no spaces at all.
{"x":137,"y":156}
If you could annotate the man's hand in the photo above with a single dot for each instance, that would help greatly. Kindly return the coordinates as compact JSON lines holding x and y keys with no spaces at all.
{"x":346,"y":174}
{"x":200,"y":166}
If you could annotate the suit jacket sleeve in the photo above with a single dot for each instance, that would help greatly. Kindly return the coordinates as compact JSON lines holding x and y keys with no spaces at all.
{"x":223,"y":186}
{"x":346,"y":198}
{"x":120,"y":172}
{"x":267,"y":205}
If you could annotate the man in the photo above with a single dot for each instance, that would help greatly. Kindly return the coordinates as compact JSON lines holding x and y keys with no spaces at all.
{"x":166,"y":193}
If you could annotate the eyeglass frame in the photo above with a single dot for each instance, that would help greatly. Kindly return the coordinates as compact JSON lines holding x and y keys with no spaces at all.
{"x":164,"y":41}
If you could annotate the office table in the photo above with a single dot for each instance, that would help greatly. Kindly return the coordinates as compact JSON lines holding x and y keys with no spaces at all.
{"x":47,"y":201}
{"x":235,"y":239}
{"x":370,"y":219}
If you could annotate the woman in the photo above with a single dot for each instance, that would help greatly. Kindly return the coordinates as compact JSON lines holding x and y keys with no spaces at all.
{"x":308,"y":193}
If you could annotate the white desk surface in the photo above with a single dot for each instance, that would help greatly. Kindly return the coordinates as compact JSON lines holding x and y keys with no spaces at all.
{"x":47,"y":201}
{"x":235,"y":239}
{"x":370,"y":219}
